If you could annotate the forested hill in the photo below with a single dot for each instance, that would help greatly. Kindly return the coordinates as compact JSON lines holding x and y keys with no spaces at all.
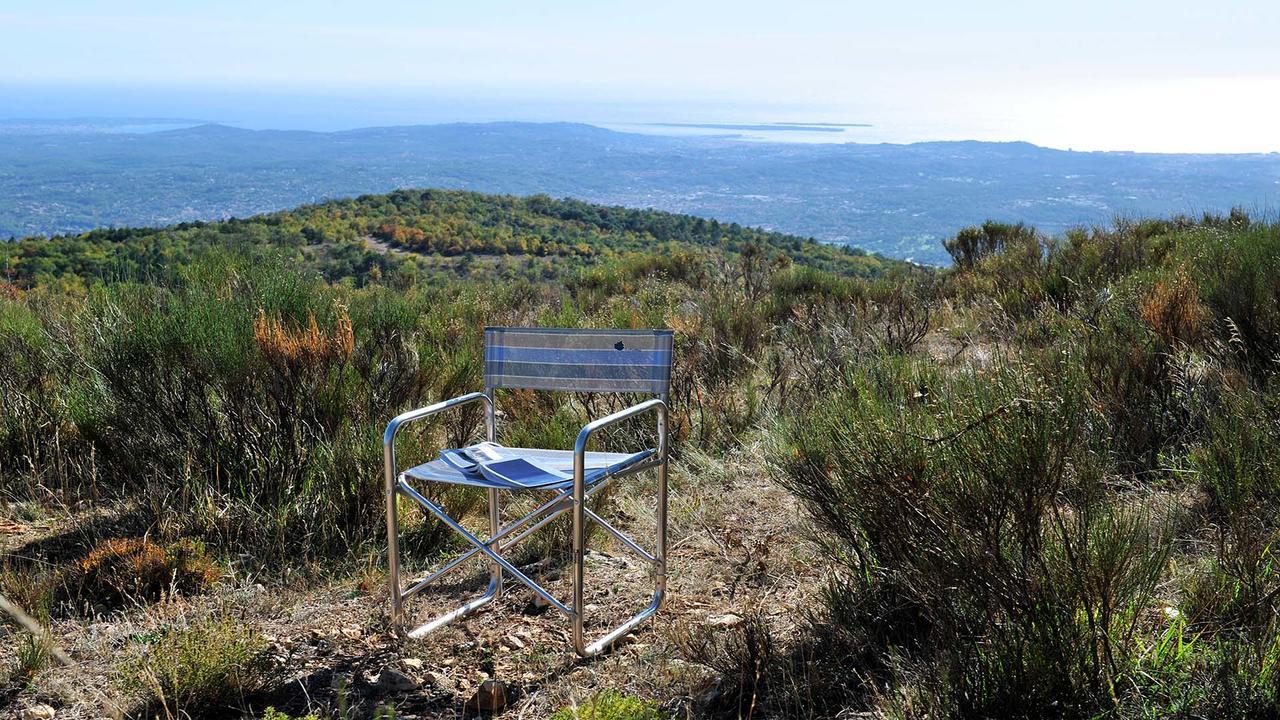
{"x":900,"y":200}
{"x":413,"y":232}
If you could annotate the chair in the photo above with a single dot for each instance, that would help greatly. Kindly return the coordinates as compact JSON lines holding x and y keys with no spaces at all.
{"x":615,"y":361}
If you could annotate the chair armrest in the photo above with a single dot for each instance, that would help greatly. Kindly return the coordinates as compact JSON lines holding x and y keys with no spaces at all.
{"x":580,"y":445}
{"x":399,"y":421}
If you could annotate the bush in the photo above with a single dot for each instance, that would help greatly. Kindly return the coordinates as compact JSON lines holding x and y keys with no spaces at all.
{"x":204,"y":669}
{"x":972,"y":244}
{"x":1239,"y":466}
{"x":1238,"y":272}
{"x":120,"y":571}
{"x":611,"y":705}
{"x":977,"y":504}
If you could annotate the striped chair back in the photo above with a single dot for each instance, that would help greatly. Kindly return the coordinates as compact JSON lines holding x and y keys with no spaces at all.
{"x":578,"y":360}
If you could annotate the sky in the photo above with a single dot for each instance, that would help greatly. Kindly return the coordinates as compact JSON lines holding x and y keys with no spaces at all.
{"x":1149,"y":75}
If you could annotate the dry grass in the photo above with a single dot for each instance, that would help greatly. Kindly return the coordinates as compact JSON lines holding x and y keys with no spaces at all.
{"x":295,"y":348}
{"x":736,"y":551}
{"x":123,"y":570}
{"x":1173,"y":309}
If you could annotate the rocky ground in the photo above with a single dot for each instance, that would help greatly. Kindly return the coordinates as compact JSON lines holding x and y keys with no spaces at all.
{"x":737,"y":551}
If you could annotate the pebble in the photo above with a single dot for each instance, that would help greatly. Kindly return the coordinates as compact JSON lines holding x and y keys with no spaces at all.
{"x":726,"y":620}
{"x":491,"y":696}
{"x":440,"y":681}
{"x":393,"y":680}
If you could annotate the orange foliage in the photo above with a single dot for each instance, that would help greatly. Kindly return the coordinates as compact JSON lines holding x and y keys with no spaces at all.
{"x":306,"y":347}
{"x":400,"y":234}
{"x":1173,"y":310}
{"x":124,"y":569}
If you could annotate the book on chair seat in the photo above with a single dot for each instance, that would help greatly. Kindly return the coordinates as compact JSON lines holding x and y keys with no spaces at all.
{"x":469,"y":459}
{"x":521,"y":472}
{"x":526,"y":473}
{"x":484,"y":461}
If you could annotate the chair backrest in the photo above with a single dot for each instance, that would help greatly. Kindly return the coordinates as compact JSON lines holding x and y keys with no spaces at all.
{"x":578,"y":360}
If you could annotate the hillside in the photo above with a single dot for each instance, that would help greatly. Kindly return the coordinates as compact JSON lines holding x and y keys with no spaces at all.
{"x":900,"y":200}
{"x":1042,"y":482}
{"x":416,"y":233}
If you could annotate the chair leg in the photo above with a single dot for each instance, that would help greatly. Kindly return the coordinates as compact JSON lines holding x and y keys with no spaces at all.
{"x":579,"y":553}
{"x":393,"y":568}
{"x":579,"y":571}
{"x":495,"y":525}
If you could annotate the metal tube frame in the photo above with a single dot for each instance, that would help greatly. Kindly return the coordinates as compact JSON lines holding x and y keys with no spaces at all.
{"x":570,"y":499}
{"x":392,"y":490}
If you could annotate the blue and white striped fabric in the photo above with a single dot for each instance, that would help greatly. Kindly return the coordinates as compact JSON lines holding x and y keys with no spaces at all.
{"x":578,"y":360}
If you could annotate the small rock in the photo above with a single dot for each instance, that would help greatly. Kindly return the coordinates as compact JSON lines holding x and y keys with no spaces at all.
{"x":513,"y":642}
{"x":412,"y":663}
{"x":709,"y":695}
{"x":440,"y":680}
{"x":491,"y":696}
{"x":392,"y":680}
{"x":37,"y":712}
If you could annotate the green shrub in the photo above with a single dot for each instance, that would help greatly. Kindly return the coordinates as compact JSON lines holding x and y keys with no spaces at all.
{"x":203,"y":669}
{"x":611,"y":705}
{"x":973,"y":244}
{"x":976,"y":503}
{"x":1239,"y":466}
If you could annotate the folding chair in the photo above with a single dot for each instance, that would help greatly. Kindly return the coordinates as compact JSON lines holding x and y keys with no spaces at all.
{"x":616,"y":361}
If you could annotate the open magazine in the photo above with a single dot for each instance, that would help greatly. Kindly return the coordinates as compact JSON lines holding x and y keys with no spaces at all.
{"x":483,"y":460}
{"x":467,"y":460}
{"x":528,"y":474}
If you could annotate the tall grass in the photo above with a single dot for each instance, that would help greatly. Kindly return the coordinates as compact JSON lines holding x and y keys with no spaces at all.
{"x":1025,"y":536}
{"x":244,"y":400}
{"x":976,"y":504}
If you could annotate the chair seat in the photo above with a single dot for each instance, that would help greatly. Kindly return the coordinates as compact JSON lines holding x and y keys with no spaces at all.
{"x":596,"y":463}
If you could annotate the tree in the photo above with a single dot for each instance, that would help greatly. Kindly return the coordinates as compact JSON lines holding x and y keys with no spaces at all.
{"x":972,"y":244}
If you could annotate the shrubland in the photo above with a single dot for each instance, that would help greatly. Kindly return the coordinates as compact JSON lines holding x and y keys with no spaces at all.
{"x":1044,"y":479}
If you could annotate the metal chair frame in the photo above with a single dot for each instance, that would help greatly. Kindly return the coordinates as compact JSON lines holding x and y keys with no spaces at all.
{"x":570,"y":499}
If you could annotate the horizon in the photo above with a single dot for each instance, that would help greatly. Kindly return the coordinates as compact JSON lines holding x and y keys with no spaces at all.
{"x":764,"y":131}
{"x":1145,"y":76}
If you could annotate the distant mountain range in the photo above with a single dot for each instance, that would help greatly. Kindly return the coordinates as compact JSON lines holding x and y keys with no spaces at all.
{"x":899,"y":200}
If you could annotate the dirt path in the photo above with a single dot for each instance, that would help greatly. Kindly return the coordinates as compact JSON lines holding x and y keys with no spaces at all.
{"x":380,"y":246}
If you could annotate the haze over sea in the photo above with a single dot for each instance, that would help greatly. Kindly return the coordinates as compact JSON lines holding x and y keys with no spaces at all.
{"x":789,"y":122}
{"x":137,"y":110}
